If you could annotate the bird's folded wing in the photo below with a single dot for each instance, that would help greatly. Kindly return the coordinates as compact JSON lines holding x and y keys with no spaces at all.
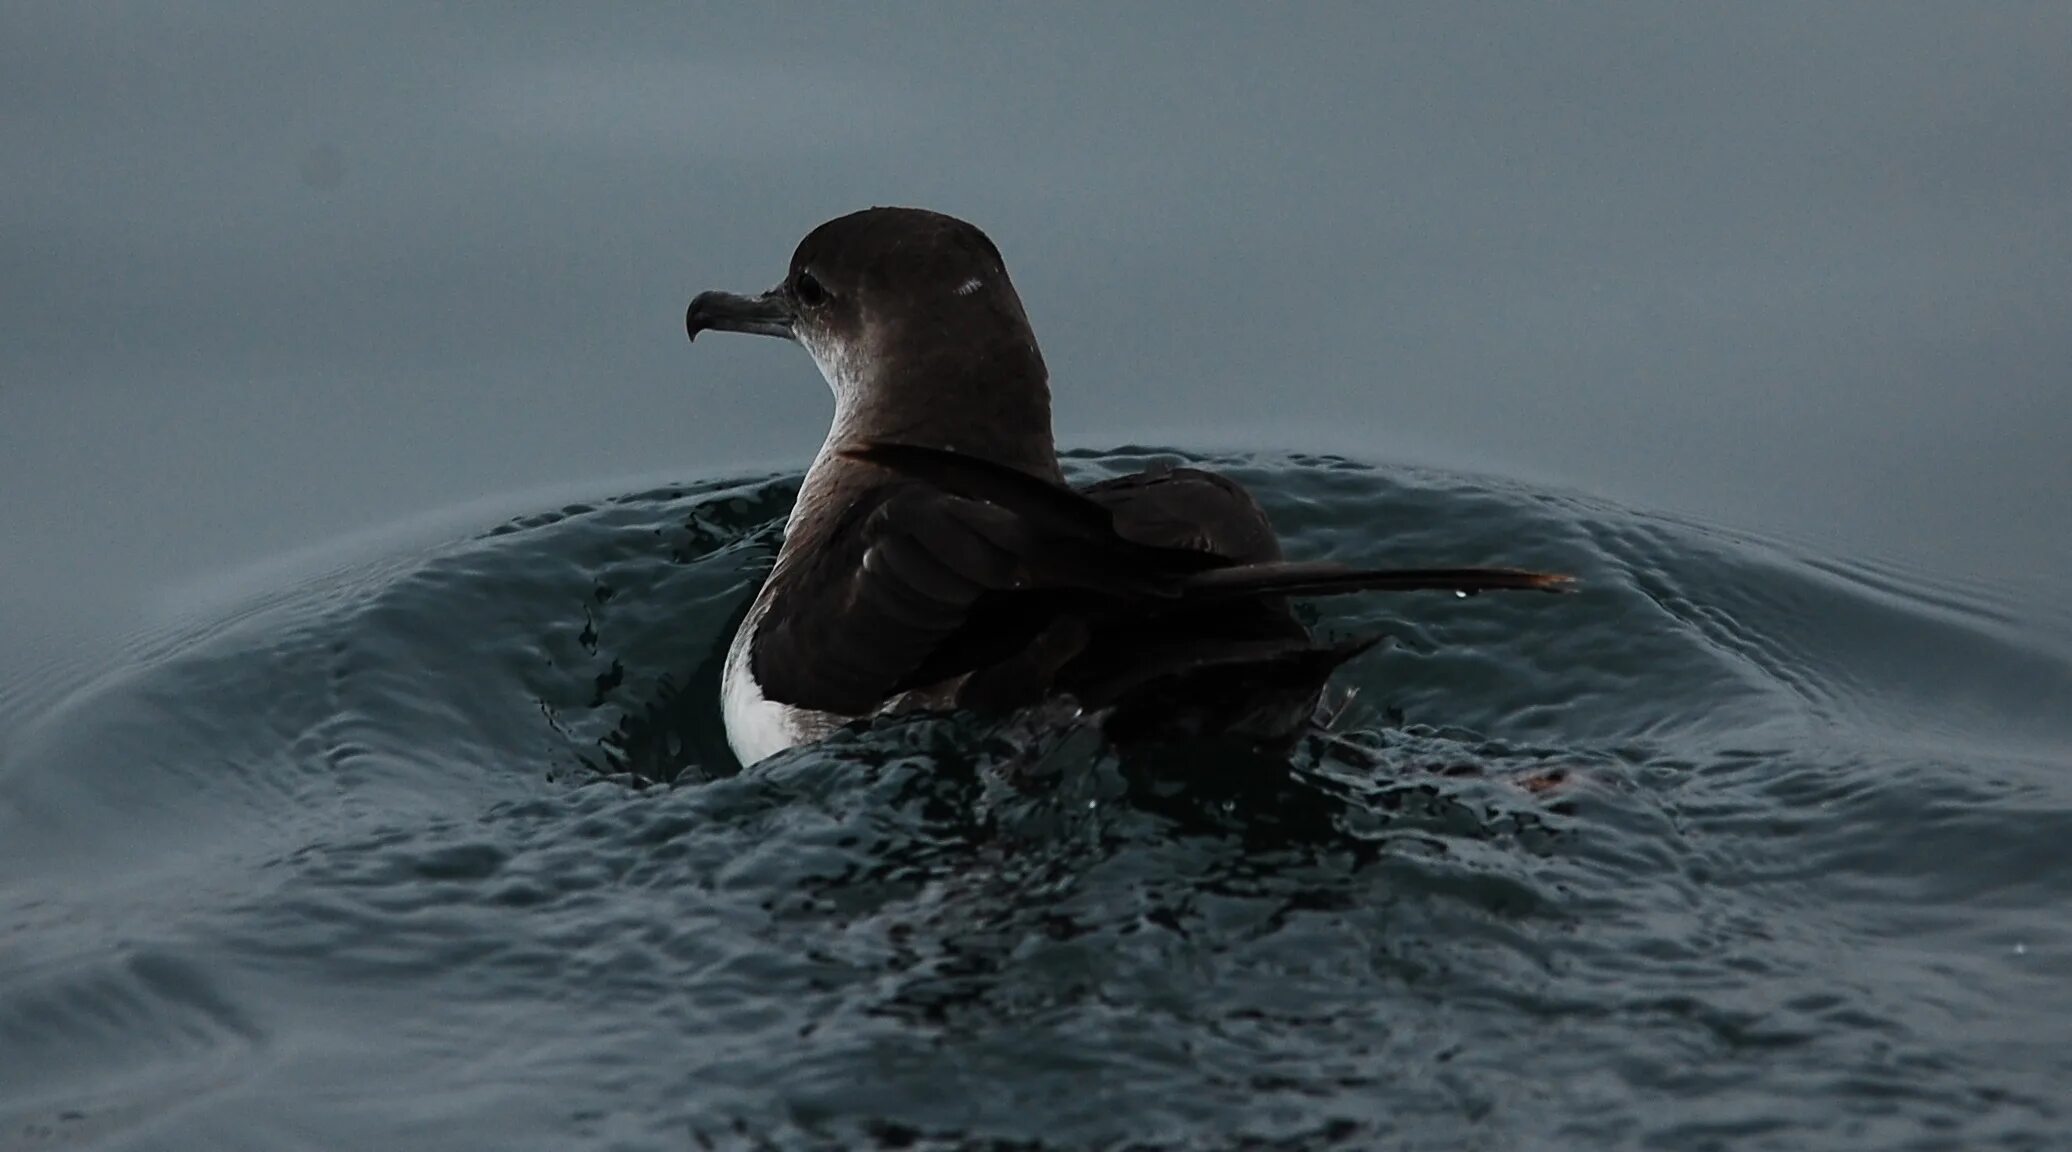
{"x":917,"y":584}
{"x":961,"y":562}
{"x":1155,"y":504}
{"x":887,"y":586}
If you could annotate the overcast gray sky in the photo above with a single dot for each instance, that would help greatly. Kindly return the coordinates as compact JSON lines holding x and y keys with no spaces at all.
{"x":277,"y":272}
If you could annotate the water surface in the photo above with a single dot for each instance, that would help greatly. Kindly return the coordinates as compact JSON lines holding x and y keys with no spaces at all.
{"x":439,"y":845}
{"x":329,"y":822}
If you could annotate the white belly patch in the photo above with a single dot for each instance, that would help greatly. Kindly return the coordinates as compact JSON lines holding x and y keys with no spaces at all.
{"x":759,"y":728}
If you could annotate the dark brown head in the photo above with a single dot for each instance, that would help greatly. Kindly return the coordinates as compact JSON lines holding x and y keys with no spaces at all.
{"x":912,"y":319}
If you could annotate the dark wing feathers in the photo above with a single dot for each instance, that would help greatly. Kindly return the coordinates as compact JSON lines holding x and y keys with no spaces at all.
{"x":899,"y":589}
{"x":957,"y":564}
{"x":1189,"y":508}
{"x":1040,"y":502}
{"x":1080,"y":529}
{"x":885,"y":589}
{"x":1183,"y":520}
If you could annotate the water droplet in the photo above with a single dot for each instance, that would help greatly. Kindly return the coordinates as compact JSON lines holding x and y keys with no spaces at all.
{"x":1092,"y":804}
{"x":1460,"y":593}
{"x":2021,"y":949}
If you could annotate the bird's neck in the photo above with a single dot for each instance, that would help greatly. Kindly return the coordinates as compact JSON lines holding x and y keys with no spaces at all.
{"x":993,"y":404}
{"x":997,"y":409}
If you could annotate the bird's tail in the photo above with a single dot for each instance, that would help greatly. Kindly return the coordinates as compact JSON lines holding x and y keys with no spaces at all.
{"x":1314,"y":578}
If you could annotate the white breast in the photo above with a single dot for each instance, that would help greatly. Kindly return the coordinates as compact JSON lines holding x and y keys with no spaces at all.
{"x":758,"y":728}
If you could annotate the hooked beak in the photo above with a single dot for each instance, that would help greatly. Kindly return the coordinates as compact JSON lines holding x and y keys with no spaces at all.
{"x":769,"y":314}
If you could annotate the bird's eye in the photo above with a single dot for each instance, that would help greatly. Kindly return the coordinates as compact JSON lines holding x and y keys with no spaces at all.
{"x":808,"y":290}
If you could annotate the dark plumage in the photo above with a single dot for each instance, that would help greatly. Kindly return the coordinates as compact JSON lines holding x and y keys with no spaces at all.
{"x":937,"y":558}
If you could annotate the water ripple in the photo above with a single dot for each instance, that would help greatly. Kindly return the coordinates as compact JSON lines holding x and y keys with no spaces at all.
{"x":1739,"y":847}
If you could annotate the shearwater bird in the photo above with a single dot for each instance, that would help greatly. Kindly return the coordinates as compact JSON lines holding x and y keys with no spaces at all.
{"x":936,"y":557}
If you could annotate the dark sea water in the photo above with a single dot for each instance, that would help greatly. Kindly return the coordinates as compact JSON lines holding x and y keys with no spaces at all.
{"x":437,"y":844}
